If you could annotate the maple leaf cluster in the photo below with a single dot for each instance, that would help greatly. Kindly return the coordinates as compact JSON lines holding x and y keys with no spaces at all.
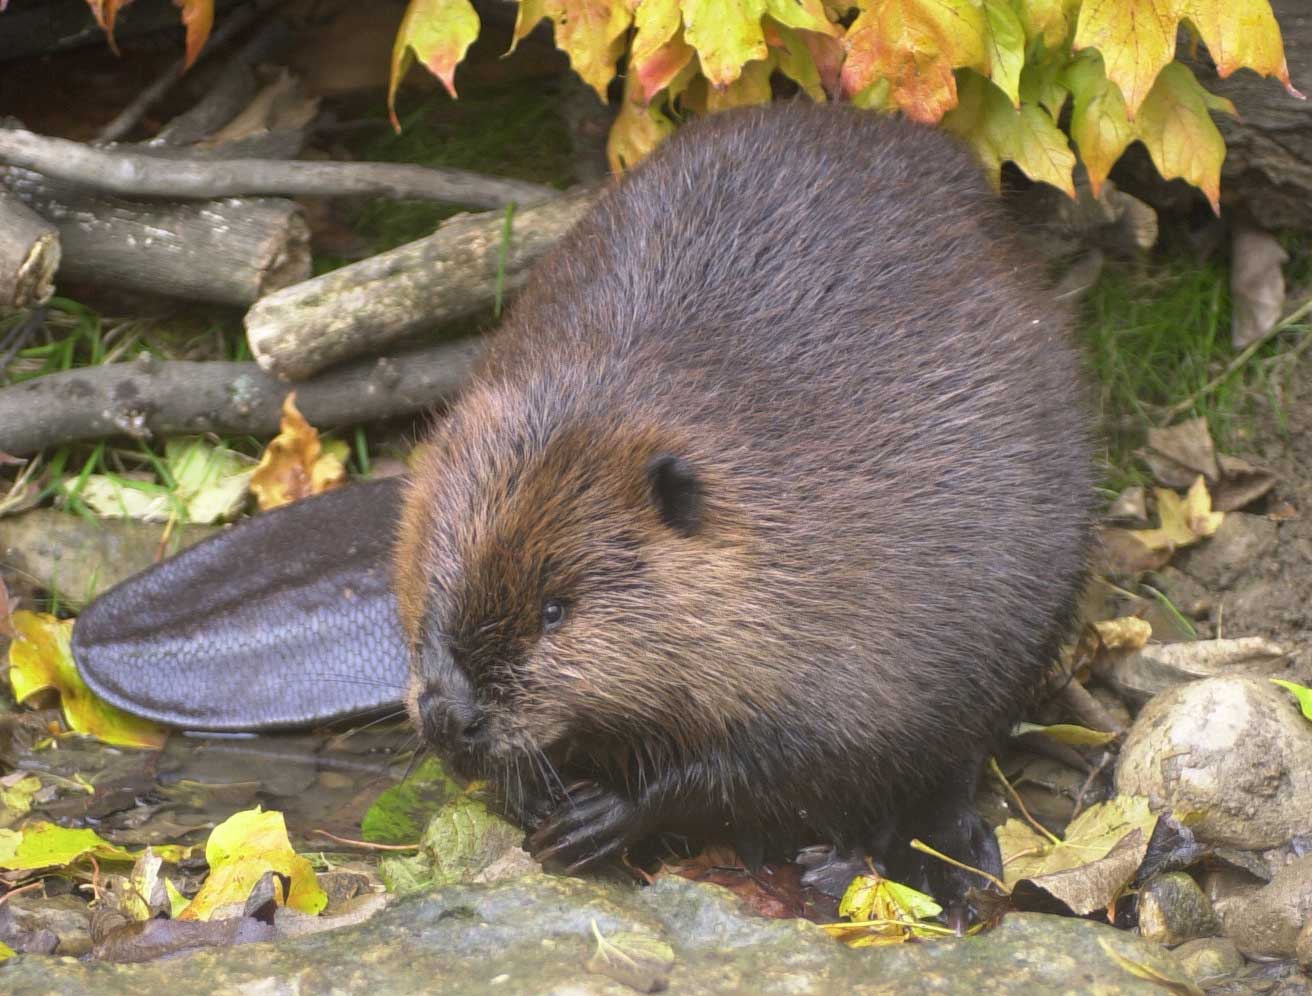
{"x":998,"y":73}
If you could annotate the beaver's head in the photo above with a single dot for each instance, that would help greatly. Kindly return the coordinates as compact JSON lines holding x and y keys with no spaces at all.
{"x":575,"y":583}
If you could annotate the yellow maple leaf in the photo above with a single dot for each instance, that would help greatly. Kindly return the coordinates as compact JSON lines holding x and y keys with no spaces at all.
{"x":198,"y":18}
{"x":40,"y":659}
{"x":750,"y":88}
{"x":437,"y":33}
{"x":1136,"y":39}
{"x":1176,"y":127}
{"x":1005,"y":44}
{"x":592,"y":34}
{"x":727,"y":35}
{"x":637,"y":129}
{"x":239,"y":851}
{"x":659,"y":52}
{"x":915,"y":45}
{"x":295,"y":464}
{"x":1100,"y":125}
{"x":998,"y":132}
{"x":1183,"y":520}
{"x":1240,"y":34}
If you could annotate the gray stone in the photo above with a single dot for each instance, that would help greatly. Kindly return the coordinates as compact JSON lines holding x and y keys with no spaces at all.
{"x":1173,"y":909}
{"x":534,"y":936}
{"x":64,"y":916}
{"x":1208,"y":960}
{"x":1242,"y":541}
{"x":1234,"y":750}
{"x":1268,"y":924}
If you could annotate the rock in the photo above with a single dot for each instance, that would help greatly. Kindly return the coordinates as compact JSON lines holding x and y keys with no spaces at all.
{"x":66,"y":917}
{"x":1242,"y":541}
{"x":535,"y":935}
{"x":1228,"y":889}
{"x":1268,"y":925}
{"x":1303,"y":947}
{"x":1173,"y":909}
{"x":1157,"y":667}
{"x":1234,"y":750}
{"x":1208,"y":960}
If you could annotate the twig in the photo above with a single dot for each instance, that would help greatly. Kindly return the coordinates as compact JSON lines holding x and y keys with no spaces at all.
{"x":1020,"y":803}
{"x":1180,"y":407}
{"x":149,"y":396}
{"x":135,"y":175}
{"x":365,"y":844}
{"x":130,"y":116}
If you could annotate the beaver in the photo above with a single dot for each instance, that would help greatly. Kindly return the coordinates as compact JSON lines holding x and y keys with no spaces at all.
{"x":765,"y":511}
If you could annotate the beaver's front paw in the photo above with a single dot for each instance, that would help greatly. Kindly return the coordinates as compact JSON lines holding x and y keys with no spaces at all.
{"x":593,"y":824}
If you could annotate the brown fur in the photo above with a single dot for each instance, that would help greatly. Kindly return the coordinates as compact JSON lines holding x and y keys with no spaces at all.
{"x":822,"y":314}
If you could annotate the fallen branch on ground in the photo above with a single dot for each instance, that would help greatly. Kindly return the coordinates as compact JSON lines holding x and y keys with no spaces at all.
{"x":132,"y":174}
{"x":154,"y":397}
{"x":363,"y":307}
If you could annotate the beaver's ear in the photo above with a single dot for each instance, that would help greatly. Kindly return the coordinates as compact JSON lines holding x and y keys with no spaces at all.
{"x":676,"y":492}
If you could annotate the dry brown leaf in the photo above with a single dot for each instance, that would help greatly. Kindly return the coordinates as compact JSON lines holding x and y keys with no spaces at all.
{"x":294,"y":464}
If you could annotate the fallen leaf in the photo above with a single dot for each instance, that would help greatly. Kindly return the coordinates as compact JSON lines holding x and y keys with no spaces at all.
{"x":1067,"y":733}
{"x":1122,"y":552}
{"x":17,"y":790}
{"x":1092,"y":864}
{"x":773,"y":891}
{"x":1257,"y":285}
{"x":1241,"y":484}
{"x":1172,"y":984}
{"x":638,"y":961}
{"x":1178,"y":454}
{"x":240,"y":850}
{"x":296,"y":464}
{"x":400,"y":814}
{"x":40,"y":659}
{"x":1300,"y":692}
{"x":1124,"y":633}
{"x":45,"y":845}
{"x":1183,"y":521}
{"x":460,"y":842}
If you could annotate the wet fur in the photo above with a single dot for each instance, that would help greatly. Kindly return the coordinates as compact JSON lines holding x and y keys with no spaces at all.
{"x":822,"y":313}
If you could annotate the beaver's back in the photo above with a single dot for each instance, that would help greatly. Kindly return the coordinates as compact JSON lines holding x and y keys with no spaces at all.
{"x":828,"y":304}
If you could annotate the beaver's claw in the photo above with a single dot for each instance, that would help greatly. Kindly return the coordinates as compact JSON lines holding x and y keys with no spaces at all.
{"x":592,"y":825}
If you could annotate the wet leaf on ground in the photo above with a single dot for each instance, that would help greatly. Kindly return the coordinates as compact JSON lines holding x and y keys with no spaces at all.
{"x":40,"y":659}
{"x":240,"y":851}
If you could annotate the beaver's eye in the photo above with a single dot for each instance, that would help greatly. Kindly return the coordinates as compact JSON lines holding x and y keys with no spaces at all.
{"x":553,"y":614}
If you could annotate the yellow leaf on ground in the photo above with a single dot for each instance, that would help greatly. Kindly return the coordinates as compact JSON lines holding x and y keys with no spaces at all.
{"x":437,"y":33}
{"x":46,"y":845}
{"x":1184,"y":521}
{"x":294,"y":464}
{"x":999,"y":132}
{"x":1124,"y":632}
{"x":240,"y":850}
{"x":1136,"y":39}
{"x":915,"y":45}
{"x":40,"y":659}
{"x":1099,"y":122}
{"x":1176,"y":127}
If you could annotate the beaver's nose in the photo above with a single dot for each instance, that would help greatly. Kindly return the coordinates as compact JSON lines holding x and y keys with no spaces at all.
{"x":450,"y":720}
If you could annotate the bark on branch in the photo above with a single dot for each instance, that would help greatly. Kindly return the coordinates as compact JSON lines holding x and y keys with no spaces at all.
{"x":29,"y":254}
{"x":135,"y":175}
{"x":153,"y":397}
{"x":230,"y":252}
{"x":363,"y":307}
